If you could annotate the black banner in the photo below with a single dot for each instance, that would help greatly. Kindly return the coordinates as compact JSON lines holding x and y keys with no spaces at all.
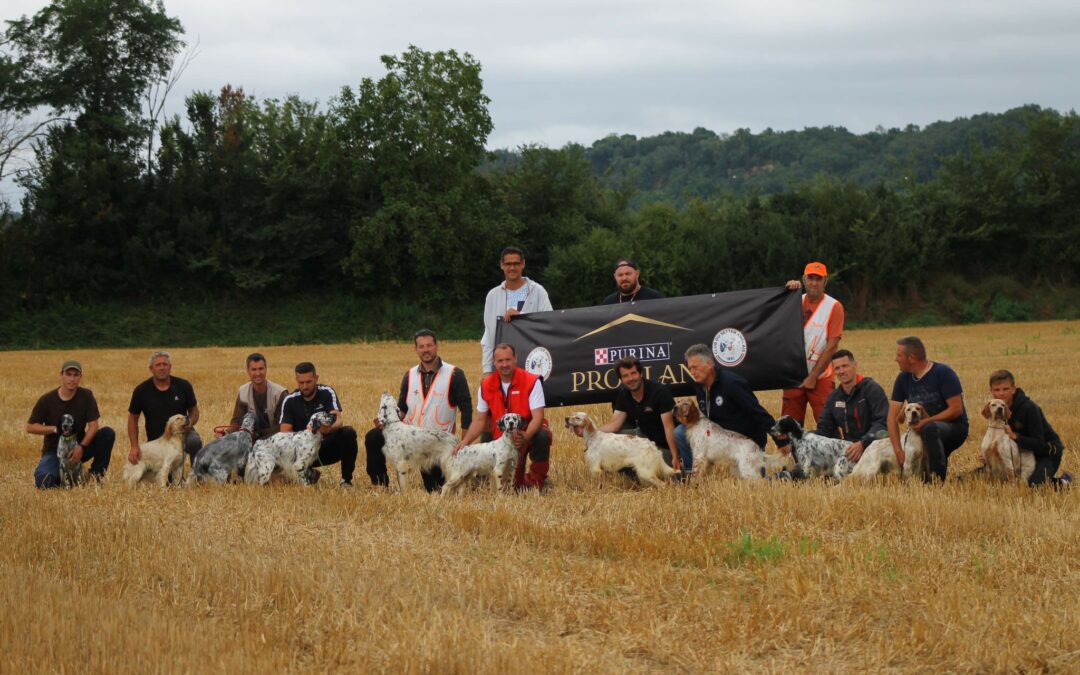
{"x":757,"y":333}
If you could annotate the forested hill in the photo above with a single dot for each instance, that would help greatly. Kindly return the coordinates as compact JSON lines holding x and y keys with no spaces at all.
{"x":677,"y":166}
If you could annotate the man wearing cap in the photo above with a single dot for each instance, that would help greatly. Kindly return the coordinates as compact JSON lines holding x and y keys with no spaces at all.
{"x":159,"y":398}
{"x":627,"y":279}
{"x":517,"y":294}
{"x":94,"y":441}
{"x":823,"y":324}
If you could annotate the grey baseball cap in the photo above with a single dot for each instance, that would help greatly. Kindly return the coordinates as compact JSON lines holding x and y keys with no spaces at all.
{"x":69,"y":364}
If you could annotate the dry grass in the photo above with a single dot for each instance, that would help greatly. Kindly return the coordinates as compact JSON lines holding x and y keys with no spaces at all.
{"x":720,"y":576}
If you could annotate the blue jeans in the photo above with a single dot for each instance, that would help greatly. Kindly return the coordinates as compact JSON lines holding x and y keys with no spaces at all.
{"x":47,"y":473}
{"x":686,"y":455}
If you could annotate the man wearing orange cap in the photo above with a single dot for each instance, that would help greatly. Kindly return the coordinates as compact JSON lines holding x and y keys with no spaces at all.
{"x":823,"y":324}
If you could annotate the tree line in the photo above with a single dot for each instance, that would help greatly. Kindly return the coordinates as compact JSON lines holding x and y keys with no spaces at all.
{"x":386,"y":194}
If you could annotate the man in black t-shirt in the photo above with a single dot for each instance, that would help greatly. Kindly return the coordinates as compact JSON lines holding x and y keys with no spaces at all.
{"x":94,"y":442}
{"x":645,"y":406}
{"x":158,"y":399}
{"x":628,"y":281}
{"x":310,"y":397}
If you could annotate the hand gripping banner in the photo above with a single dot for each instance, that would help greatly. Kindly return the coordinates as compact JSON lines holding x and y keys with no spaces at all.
{"x":757,"y":333}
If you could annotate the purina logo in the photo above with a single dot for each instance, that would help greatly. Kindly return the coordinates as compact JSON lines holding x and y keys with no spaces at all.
{"x":658,"y":351}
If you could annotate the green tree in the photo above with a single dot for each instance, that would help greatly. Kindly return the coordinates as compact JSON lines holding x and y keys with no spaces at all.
{"x":432,"y":219}
{"x":89,"y":61}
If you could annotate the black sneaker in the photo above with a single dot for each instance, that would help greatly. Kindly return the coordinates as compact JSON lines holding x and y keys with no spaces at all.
{"x":345,"y":483}
{"x":1065,"y":480}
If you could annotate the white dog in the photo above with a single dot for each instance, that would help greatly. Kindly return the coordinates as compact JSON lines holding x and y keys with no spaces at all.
{"x":610,"y":452}
{"x":1004,"y":459}
{"x":411,"y":448}
{"x":714,"y":445}
{"x":495,"y":459}
{"x":290,"y":453}
{"x":916,"y":461}
{"x":162,"y":458}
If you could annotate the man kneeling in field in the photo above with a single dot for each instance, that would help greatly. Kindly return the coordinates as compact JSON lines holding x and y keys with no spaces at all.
{"x":857,"y":411}
{"x":1028,"y":426}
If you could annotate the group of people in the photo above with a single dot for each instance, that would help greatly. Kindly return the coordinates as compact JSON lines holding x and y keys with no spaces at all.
{"x":435,"y":394}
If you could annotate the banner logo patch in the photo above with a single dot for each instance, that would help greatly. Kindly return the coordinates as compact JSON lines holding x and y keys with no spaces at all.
{"x":729,"y":347}
{"x":539,"y":362}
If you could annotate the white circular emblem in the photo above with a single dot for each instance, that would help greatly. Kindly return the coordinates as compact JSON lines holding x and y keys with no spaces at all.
{"x":539,"y":362}
{"x":729,"y":347}
{"x":719,"y":401}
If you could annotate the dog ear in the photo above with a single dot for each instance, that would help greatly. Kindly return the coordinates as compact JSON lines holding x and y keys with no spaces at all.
{"x":1008,"y":413}
{"x":502,"y":425}
{"x":901,"y":417}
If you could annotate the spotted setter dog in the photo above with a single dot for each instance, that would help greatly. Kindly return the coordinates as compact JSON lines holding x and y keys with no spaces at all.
{"x":70,"y":474}
{"x":225,"y":457}
{"x":495,"y":459}
{"x":288,"y":453}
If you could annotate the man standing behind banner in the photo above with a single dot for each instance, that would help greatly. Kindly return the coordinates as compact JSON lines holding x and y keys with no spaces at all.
{"x":725,"y":398}
{"x":517,"y":294}
{"x":823,"y":325}
{"x":512,"y":389}
{"x":628,"y":281}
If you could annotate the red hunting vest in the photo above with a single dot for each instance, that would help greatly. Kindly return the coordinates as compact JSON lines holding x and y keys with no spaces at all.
{"x":516,"y":400}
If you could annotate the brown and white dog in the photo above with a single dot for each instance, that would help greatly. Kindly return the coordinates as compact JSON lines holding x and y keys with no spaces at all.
{"x":714,"y":445}
{"x":1004,"y":459}
{"x":608,"y":452}
{"x":162,"y":459}
{"x":916,"y":461}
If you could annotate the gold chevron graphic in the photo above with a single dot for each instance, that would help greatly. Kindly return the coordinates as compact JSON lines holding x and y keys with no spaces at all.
{"x":625,"y":319}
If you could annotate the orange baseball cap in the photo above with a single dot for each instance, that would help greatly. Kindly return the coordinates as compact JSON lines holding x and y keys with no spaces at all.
{"x":816,"y":268}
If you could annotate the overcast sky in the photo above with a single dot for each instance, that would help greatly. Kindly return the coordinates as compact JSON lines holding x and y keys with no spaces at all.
{"x":560,"y":71}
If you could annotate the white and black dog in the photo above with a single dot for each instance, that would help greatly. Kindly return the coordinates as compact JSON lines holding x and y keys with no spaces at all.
{"x":223,"y":457}
{"x":291,"y":453}
{"x":70,"y":474}
{"x":411,"y":448}
{"x":495,"y":459}
{"x":817,"y":455}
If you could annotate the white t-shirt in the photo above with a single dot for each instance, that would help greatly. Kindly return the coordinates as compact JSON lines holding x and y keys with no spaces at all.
{"x":536,"y":397}
{"x":516,"y":299}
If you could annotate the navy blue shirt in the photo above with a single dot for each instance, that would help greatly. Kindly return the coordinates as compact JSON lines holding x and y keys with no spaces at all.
{"x":731,"y":403}
{"x":932,"y":390}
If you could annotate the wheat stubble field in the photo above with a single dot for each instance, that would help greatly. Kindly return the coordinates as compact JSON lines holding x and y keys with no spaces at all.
{"x":719,"y":576}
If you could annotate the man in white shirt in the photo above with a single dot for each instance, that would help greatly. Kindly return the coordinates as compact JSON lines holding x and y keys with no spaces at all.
{"x":517,"y":294}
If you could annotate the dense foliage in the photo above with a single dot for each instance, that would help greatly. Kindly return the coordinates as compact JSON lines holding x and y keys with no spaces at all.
{"x":384,"y":196}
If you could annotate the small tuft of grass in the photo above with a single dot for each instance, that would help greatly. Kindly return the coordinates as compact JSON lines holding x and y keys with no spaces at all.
{"x":746,"y":549}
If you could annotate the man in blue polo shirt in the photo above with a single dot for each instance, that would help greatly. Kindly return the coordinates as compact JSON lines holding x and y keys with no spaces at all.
{"x":937,"y":388}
